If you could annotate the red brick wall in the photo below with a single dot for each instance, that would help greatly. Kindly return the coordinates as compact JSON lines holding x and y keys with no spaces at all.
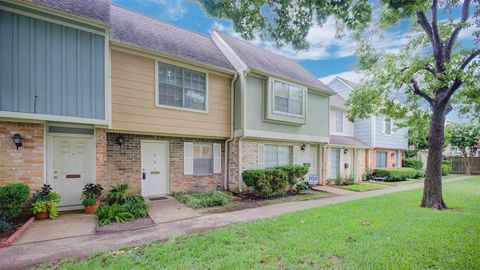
{"x":124,"y":164}
{"x":391,"y":160}
{"x":26,"y":164}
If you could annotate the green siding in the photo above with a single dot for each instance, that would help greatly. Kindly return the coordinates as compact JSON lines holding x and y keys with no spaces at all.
{"x":317,"y":113}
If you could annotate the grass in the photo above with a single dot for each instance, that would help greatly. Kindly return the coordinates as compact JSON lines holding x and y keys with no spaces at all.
{"x":382,"y":232}
{"x":198,"y":200}
{"x":362,"y":187}
{"x":413,"y":181}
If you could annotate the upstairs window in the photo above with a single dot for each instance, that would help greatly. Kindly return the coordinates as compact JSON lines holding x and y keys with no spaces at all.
{"x":288,"y":98}
{"x":387,"y":126}
{"x":181,"y":87}
{"x":278,"y":155}
{"x":339,"y":121}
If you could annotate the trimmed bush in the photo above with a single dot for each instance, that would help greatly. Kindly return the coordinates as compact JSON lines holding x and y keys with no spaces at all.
{"x":413,"y":163}
{"x":420,"y":174}
{"x":396,"y":174}
{"x":266,"y":182}
{"x":295,"y":173}
{"x":446,"y":169}
{"x":12,"y":199}
{"x":197,"y":200}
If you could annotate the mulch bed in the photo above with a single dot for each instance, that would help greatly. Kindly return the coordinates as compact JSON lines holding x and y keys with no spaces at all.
{"x":16,"y":224}
{"x":127,"y":226}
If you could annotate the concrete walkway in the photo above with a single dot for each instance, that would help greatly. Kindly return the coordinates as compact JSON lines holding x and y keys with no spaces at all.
{"x":168,"y":210}
{"x":334,"y":190}
{"x":25,"y":255}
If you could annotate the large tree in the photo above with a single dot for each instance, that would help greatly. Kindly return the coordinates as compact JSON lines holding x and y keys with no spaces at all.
{"x":467,"y":138}
{"x":430,"y":69}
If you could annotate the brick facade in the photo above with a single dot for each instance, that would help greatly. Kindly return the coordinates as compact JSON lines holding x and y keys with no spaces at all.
{"x":391,"y":157}
{"x":27,"y":163}
{"x":124,"y":163}
{"x":355,"y":158}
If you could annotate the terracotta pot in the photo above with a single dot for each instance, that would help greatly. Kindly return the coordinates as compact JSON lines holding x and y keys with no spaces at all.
{"x":41,"y":215}
{"x":91,"y":209}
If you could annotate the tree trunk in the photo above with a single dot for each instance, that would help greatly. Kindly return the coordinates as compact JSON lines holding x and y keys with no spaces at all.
{"x":468,"y":169}
{"x":432,"y":191}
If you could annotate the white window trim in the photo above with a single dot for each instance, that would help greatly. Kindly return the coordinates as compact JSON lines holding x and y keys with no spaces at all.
{"x":158,"y":105}
{"x":271,"y":83}
{"x":391,"y":126}
{"x":193,"y":159}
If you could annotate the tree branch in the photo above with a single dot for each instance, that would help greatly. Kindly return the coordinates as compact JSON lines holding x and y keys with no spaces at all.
{"x":470,"y":59}
{"x":456,"y":31}
{"x":458,"y":81}
{"x":436,"y":46}
{"x":436,"y":35}
{"x":419,"y":92}
{"x":428,"y":68}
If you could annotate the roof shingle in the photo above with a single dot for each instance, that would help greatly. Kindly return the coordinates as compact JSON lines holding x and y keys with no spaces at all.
{"x":93,"y":9}
{"x":346,"y":140}
{"x":142,"y":31}
{"x":263,"y":60}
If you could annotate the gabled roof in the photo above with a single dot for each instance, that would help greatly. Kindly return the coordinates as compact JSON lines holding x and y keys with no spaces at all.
{"x":347,"y":141}
{"x":262,"y":60}
{"x":142,"y":31}
{"x":94,"y":9}
{"x":337,"y":100}
{"x":348,"y":83}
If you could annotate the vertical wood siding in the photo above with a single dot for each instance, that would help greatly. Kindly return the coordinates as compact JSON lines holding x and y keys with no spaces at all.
{"x":133,"y":102}
{"x":63,"y":67}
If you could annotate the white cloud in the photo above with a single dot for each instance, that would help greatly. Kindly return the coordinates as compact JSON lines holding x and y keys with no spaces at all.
{"x":352,"y":75}
{"x":170,"y":9}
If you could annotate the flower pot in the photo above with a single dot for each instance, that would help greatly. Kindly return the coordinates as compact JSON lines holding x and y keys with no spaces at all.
{"x":41,"y":215}
{"x":91,"y":209}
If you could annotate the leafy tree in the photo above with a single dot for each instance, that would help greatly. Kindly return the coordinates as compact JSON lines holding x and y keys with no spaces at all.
{"x":467,"y":138}
{"x":420,"y":79}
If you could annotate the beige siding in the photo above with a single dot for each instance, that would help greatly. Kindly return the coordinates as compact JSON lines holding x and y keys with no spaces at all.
{"x":348,"y":127}
{"x":133,"y":102}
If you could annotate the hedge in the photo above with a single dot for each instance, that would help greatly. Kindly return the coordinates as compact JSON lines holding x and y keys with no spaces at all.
{"x":396,"y":174}
{"x":276,"y":181}
{"x":446,"y":169}
{"x":12,"y":199}
{"x":413,"y":163}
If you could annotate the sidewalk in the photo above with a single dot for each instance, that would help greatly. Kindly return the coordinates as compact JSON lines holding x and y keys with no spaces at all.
{"x":25,"y":255}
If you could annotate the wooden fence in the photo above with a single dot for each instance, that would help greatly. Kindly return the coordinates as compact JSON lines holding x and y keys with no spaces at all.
{"x":458,"y":165}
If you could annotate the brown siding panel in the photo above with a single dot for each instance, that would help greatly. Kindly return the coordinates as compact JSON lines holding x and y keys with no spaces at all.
{"x":133,"y":102}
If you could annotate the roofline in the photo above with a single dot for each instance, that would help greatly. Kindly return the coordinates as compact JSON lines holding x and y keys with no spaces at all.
{"x":228,"y":52}
{"x":321,"y":90}
{"x":349,"y":146}
{"x":342,"y":81}
{"x":61,"y":13}
{"x":171,"y":56}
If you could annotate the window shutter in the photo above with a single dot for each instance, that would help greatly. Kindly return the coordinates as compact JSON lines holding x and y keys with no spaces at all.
{"x":261,"y":156}
{"x":296,"y":152}
{"x":217,"y":158}
{"x":187,"y":158}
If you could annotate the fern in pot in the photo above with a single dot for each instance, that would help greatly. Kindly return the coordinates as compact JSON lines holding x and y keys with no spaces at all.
{"x":91,"y":197}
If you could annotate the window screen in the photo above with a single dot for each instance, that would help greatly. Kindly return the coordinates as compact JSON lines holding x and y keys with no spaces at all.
{"x":277,"y":155}
{"x":288,"y":98}
{"x":202,"y":158}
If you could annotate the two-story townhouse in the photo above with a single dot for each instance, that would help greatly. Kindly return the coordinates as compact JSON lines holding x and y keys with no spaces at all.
{"x":346,"y":154}
{"x":281,"y":111}
{"x":386,"y":141}
{"x":99,"y":93}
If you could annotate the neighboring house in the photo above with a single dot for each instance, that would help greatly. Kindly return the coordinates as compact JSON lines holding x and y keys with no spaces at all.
{"x":386,"y":142}
{"x":346,"y":154}
{"x":281,"y":111}
{"x":103,"y":94}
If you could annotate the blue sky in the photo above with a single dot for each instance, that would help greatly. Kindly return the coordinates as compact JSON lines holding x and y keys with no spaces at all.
{"x":327,"y":55}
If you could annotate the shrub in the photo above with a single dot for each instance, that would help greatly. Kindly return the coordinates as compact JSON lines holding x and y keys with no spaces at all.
{"x":419,"y":174}
{"x":447,"y":162}
{"x":87,"y":201}
{"x":92,"y":190}
{"x":295,"y":173}
{"x":446,"y":169}
{"x":4,"y":226}
{"x":197,"y":200}
{"x":413,"y":163}
{"x":118,"y":194}
{"x":113,"y":213}
{"x":12,"y":199}
{"x":266,"y":182}
{"x":396,"y":174}
{"x":302,"y":186}
{"x":410,"y":153}
{"x":338,"y":181}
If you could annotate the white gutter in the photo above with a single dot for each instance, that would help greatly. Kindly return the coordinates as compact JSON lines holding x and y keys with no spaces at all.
{"x":230,"y":139}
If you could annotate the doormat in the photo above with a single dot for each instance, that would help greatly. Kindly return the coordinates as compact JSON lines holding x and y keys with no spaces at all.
{"x":157,"y":198}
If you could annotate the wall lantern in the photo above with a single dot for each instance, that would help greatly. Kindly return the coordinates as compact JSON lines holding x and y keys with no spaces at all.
{"x":392,"y":154}
{"x":17,"y":140}
{"x":303,"y":147}
{"x":345,"y":151}
{"x":120,"y":140}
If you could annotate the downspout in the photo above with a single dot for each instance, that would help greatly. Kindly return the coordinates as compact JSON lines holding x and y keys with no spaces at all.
{"x":230,"y":139}
{"x":243,"y":86}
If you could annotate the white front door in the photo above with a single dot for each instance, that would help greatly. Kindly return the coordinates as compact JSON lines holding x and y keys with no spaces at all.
{"x":154,"y":175}
{"x":73,"y":166}
{"x":313,"y":161}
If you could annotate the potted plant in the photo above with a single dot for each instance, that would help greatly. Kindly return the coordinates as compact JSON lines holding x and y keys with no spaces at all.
{"x":90,"y":197}
{"x":44,"y":203}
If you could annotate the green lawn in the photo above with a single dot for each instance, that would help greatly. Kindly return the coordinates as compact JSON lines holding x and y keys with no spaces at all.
{"x":362,"y":187}
{"x":384,"y":232}
{"x":413,"y":181}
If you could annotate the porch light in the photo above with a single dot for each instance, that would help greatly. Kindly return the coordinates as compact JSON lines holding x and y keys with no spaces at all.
{"x":17,"y":140}
{"x":120,"y":140}
{"x":303,"y":147}
{"x":392,"y":154}
{"x":345,"y":151}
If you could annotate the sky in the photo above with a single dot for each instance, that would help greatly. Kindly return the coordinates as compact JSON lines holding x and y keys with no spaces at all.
{"x":326,"y":58}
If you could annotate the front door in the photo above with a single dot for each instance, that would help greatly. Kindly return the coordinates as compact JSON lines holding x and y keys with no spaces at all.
{"x":154,"y":175}
{"x":73,"y":161}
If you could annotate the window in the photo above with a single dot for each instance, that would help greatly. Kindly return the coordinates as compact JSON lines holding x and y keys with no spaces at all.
{"x":288,"y":98}
{"x":181,"y":87}
{"x":339,"y":121}
{"x":202,"y":159}
{"x":387,"y":126}
{"x":277,"y":155}
{"x":381,"y":159}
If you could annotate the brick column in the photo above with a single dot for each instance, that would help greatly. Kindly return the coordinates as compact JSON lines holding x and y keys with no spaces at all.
{"x":324,"y":164}
{"x":101,"y":156}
